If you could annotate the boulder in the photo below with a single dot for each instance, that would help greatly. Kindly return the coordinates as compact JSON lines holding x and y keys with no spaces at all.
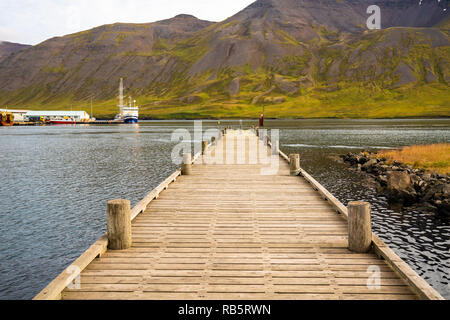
{"x":369,"y":164}
{"x":191,"y":99}
{"x":278,"y":100}
{"x":235,"y":87}
{"x":286,"y":86}
{"x":400,"y":187}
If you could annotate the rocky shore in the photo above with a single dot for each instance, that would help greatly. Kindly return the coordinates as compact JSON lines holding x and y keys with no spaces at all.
{"x":403,"y":185}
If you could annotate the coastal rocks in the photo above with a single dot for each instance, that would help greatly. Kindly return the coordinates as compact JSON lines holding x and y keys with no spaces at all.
{"x":403,"y":185}
{"x":399,"y":185}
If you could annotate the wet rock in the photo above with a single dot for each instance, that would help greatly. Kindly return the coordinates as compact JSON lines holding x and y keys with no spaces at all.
{"x":444,"y":208}
{"x":383,"y":180}
{"x":369,"y":164}
{"x":400,"y":187}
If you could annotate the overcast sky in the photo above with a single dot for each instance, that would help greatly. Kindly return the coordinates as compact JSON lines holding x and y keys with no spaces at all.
{"x":33,"y":21}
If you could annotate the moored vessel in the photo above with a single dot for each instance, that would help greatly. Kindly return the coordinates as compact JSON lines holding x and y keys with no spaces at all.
{"x":128,"y":113}
{"x":63,"y":121}
{"x":6,"y":119}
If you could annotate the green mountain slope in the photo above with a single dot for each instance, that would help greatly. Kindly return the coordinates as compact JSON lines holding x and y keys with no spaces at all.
{"x":297,"y":58}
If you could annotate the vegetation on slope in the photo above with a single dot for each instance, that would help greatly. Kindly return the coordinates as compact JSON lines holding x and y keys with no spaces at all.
{"x":187,"y":68}
{"x":435,"y":157}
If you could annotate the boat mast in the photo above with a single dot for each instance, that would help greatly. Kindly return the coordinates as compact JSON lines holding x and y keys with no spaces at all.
{"x":121,"y":96}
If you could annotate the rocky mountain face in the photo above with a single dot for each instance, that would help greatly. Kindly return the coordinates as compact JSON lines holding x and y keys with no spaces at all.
{"x":7,"y":48}
{"x":274,"y":52}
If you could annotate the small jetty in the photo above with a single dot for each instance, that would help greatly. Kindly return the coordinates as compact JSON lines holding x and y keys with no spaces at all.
{"x":227,"y":232}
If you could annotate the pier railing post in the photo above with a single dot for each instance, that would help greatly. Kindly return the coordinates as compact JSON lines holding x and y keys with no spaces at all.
{"x":119,"y":224}
{"x":294,"y":160}
{"x":359,"y":227}
{"x":186,"y":167}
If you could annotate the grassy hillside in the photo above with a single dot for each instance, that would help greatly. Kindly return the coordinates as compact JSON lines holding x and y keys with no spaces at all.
{"x":430,"y":100}
{"x":186,"y":68}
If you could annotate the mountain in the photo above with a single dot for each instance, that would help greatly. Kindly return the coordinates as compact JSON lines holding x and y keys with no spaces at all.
{"x":7,"y":48}
{"x":300,"y":58}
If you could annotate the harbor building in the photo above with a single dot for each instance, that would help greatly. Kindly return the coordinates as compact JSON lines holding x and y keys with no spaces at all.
{"x":18,"y":114}
{"x":58,"y":116}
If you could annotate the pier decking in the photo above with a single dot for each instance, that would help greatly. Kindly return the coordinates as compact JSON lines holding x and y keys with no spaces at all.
{"x":227,"y":232}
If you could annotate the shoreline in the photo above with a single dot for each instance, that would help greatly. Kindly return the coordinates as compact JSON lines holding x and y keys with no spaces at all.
{"x":404,"y":186}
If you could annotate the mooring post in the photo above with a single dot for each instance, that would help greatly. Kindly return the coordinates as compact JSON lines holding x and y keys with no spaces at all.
{"x":204,"y":147}
{"x":257,"y":132}
{"x":119,"y":224}
{"x":359,"y":227}
{"x":186,"y":166}
{"x":294,"y":160}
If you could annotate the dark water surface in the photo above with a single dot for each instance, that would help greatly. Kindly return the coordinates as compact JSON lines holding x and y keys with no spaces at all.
{"x":56,"y":181}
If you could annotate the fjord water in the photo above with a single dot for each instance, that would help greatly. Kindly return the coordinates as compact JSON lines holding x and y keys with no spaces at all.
{"x":56,"y":181}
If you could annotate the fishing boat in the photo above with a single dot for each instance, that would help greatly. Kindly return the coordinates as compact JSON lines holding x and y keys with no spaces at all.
{"x":6,"y":119}
{"x":128,"y":113}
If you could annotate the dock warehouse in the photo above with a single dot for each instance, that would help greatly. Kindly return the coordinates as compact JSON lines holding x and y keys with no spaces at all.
{"x":18,"y":114}
{"x":55,"y":115}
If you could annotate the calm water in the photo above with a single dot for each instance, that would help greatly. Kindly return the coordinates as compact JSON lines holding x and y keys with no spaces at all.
{"x":56,"y":182}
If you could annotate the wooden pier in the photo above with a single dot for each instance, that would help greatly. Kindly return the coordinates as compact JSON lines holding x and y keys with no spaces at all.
{"x":227,"y":232}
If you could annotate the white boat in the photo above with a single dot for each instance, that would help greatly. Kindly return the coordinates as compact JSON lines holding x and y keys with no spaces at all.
{"x":128,"y":113}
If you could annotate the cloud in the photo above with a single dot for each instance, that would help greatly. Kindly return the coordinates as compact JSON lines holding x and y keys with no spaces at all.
{"x":30,"y":21}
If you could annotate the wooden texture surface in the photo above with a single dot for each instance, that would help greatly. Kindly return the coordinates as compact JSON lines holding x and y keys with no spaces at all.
{"x":119,"y":224}
{"x":229,"y":232}
{"x":359,"y":227}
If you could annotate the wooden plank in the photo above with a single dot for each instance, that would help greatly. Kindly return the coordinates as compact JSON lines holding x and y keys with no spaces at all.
{"x":142,"y":205}
{"x":226,"y":232}
{"x":417,"y":283}
{"x":54,"y":289}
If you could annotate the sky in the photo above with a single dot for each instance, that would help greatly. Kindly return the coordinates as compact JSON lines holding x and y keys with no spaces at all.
{"x":33,"y":21}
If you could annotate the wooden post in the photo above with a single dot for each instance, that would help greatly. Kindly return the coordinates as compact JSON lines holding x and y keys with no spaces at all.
{"x":119,"y":224}
{"x":359,"y":227}
{"x":204,"y":146}
{"x":257,"y":132}
{"x":294,"y":164}
{"x":186,"y":167}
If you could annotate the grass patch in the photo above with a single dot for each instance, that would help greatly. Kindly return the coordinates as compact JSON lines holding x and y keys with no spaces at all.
{"x":435,"y":157}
